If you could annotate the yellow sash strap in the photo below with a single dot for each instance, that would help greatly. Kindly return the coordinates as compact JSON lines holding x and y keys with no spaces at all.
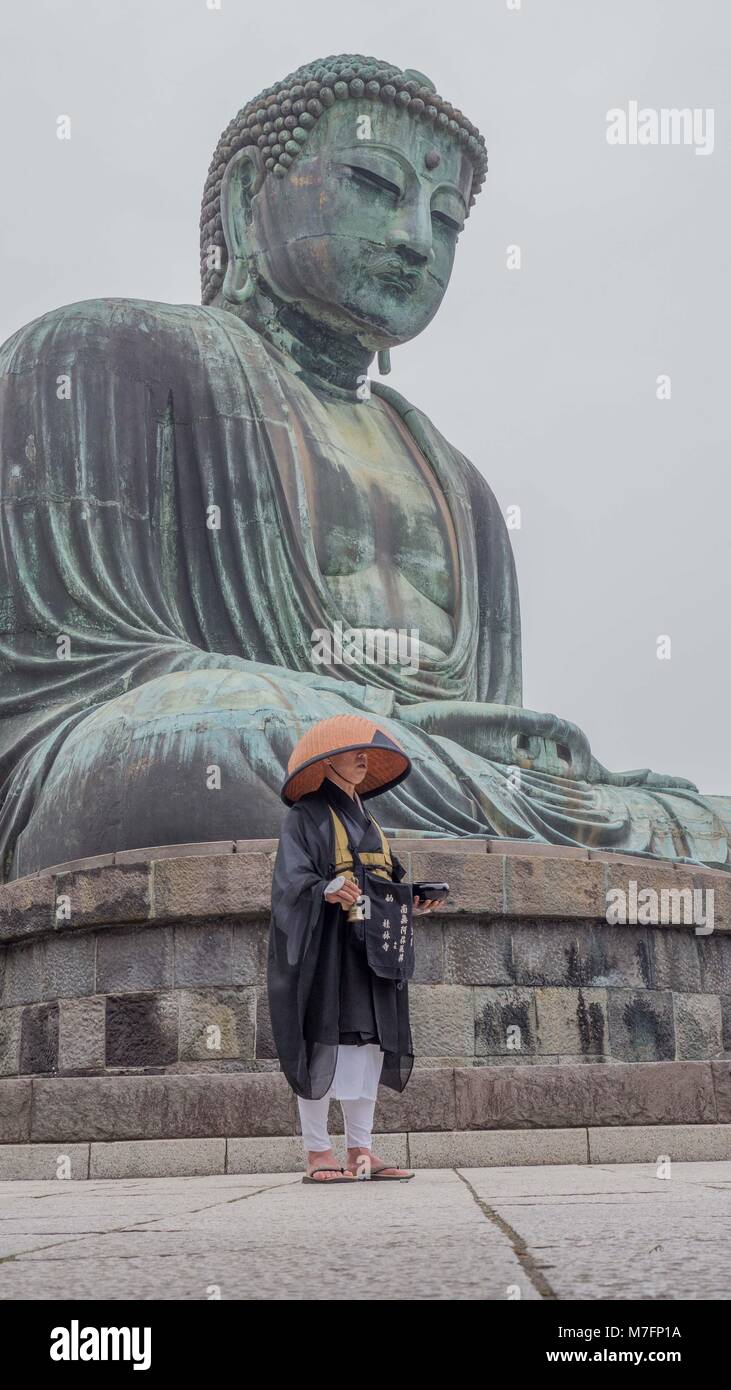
{"x":379,"y":862}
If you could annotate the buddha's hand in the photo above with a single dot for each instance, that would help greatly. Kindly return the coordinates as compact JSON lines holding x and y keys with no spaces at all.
{"x":640,"y":777}
{"x":505,"y":734}
{"x":663,"y":779}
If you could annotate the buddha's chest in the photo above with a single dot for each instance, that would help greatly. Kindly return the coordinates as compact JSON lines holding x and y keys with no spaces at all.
{"x":377,"y":510}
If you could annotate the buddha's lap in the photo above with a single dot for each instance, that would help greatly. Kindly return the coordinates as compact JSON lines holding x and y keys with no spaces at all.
{"x":201,"y":755}
{"x":190,"y":756}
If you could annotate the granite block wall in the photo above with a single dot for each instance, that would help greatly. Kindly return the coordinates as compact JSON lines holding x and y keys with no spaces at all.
{"x":185,"y":997}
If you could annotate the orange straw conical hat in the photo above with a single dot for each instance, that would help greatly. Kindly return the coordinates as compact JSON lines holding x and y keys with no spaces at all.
{"x":343,"y":733}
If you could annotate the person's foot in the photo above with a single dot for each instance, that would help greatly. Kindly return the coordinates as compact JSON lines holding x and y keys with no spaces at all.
{"x":325,"y":1159}
{"x":361,"y":1162}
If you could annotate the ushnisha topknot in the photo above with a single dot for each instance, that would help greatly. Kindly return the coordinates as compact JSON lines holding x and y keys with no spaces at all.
{"x":279,"y":121}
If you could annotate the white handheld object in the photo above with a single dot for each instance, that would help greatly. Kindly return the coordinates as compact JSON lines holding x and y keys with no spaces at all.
{"x":335,"y":884}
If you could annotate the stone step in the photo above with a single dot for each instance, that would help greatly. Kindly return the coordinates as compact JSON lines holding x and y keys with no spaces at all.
{"x":158,"y":1158}
{"x":104,"y":1109}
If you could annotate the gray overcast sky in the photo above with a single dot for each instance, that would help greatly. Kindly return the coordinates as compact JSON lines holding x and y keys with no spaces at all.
{"x":546,"y":377}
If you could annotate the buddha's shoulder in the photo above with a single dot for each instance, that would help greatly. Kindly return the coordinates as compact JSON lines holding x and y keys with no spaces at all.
{"x":119,"y":328}
{"x":429,"y":438}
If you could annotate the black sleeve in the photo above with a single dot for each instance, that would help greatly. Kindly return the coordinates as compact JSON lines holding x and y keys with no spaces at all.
{"x":303,"y":957}
{"x":298,"y":883}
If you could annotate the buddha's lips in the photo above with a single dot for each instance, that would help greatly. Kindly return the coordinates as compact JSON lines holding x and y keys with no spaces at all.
{"x":392,"y":271}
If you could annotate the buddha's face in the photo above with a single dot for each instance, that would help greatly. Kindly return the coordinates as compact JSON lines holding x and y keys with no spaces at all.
{"x":361,"y":233}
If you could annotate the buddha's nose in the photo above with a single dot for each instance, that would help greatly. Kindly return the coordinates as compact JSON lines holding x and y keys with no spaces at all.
{"x":413,"y":240}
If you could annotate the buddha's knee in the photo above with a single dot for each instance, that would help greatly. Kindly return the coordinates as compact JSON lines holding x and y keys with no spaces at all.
{"x":190,"y":757}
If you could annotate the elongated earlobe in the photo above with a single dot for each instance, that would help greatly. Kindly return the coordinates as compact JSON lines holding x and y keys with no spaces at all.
{"x":384,"y":362}
{"x":242,"y":179}
{"x":238,"y":283}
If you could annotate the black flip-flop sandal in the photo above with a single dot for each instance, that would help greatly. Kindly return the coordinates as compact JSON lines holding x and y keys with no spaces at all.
{"x":382,"y":1175}
{"x":331,"y":1182}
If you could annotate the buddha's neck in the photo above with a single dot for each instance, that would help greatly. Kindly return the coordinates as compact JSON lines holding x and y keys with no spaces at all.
{"x":333,"y":358}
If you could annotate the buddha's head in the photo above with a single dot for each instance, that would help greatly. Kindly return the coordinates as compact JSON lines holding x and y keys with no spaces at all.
{"x":342,"y":190}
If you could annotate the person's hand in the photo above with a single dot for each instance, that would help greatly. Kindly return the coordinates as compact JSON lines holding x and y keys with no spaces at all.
{"x":346,"y":896}
{"x":426,"y":905}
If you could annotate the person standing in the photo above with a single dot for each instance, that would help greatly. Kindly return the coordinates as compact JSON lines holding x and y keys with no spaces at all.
{"x":339,"y":1029}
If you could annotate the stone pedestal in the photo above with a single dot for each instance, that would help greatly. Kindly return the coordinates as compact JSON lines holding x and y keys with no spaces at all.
{"x":134,"y":1031}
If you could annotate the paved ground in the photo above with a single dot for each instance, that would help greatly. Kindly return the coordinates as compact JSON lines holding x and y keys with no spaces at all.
{"x":564,"y":1232}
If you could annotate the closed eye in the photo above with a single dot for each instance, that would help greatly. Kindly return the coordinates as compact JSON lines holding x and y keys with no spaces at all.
{"x":372,"y":180}
{"x":447,"y":221}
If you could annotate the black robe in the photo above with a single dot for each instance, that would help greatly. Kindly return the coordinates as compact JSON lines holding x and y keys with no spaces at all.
{"x":322,"y":991}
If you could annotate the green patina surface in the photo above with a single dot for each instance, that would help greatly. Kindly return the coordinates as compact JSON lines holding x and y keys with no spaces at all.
{"x":190,"y":494}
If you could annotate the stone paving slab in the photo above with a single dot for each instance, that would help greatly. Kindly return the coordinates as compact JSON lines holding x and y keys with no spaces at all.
{"x":489,"y":1233}
{"x":280,"y":1239}
{"x":665,"y":1240}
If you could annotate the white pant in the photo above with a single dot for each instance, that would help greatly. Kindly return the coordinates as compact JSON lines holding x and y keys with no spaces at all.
{"x":355,"y":1085}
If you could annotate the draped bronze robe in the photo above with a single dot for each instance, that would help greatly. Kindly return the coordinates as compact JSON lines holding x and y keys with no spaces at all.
{"x":159,"y":588}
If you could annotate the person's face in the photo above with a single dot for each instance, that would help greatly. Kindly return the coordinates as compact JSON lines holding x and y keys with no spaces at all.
{"x":351,"y":767}
{"x":362,"y":232}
